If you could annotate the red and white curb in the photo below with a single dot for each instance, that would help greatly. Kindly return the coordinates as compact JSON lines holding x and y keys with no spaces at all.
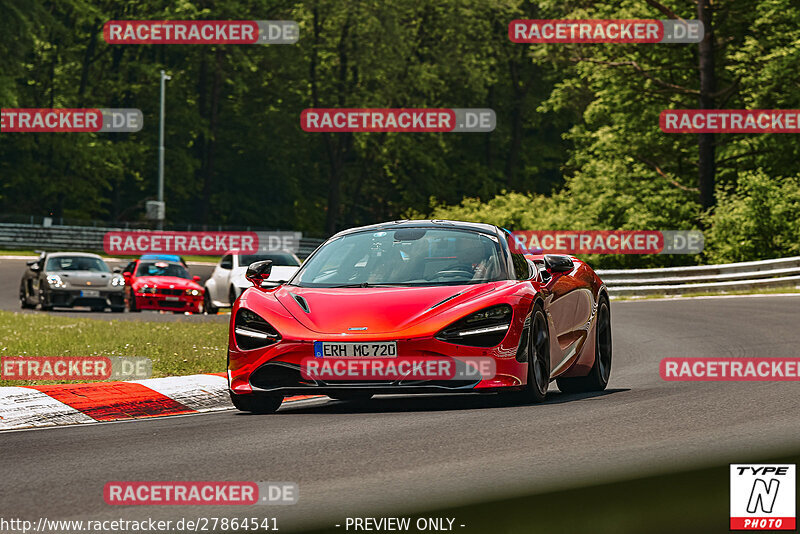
{"x":70,"y":404}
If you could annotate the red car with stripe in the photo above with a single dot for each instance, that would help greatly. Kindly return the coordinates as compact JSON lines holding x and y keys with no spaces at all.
{"x":162,"y":285}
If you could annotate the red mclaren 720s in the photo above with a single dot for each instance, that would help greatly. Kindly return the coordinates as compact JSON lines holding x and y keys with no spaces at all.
{"x":420,"y":307}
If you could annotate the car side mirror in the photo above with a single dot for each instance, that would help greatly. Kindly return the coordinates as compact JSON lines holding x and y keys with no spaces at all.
{"x":258,"y":272}
{"x":126,"y":276}
{"x":556,"y":263}
{"x":116,"y":270}
{"x":196,"y":278}
{"x":34,"y":266}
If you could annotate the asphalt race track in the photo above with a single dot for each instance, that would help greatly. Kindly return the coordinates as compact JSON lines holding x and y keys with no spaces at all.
{"x":11,"y":271}
{"x":404,"y":454}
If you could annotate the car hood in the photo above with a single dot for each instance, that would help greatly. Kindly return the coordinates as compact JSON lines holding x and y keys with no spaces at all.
{"x":84,"y":278}
{"x":166,"y":281}
{"x":372,"y":310}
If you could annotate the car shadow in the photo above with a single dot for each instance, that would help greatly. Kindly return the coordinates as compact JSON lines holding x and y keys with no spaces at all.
{"x":435,"y":403}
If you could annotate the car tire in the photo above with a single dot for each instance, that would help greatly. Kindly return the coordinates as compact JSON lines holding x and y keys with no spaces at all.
{"x":256,"y":403}
{"x":208,"y":306}
{"x":132,"y":304}
{"x":538,"y":357}
{"x":117,"y":309}
{"x":232,"y":295}
{"x":42,"y":305}
{"x":598,"y":376}
{"x":351,"y":397}
{"x":23,"y":298}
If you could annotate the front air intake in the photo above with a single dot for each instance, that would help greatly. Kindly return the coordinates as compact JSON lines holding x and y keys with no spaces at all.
{"x":251,"y":331}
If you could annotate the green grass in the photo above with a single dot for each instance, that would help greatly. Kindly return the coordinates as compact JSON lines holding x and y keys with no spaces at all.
{"x":175,"y":348}
{"x":772,"y":291}
{"x":202,"y":259}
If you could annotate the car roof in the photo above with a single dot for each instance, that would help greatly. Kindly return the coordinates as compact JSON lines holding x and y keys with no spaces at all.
{"x":426,"y":223}
{"x":154,"y":261}
{"x":73,"y":254}
{"x":167,"y":257}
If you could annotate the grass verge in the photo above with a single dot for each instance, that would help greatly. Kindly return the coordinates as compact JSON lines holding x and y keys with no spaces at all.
{"x":175,"y":348}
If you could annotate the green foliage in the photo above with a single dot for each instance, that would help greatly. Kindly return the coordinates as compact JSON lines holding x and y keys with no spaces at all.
{"x":759,"y":219}
{"x":577,"y":143}
{"x":236,"y":154}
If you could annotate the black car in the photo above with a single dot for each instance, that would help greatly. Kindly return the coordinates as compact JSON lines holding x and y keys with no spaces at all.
{"x":69,"y":279}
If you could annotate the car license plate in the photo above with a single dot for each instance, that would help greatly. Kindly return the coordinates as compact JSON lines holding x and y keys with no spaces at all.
{"x":332,"y":349}
{"x":171,"y":298}
{"x":90,"y":293}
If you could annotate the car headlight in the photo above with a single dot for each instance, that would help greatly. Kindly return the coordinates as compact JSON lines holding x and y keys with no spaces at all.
{"x":55,"y":281}
{"x":484,"y":328}
{"x":192,"y":292}
{"x":147,"y":290}
{"x":251,"y":331}
{"x":117,"y":281}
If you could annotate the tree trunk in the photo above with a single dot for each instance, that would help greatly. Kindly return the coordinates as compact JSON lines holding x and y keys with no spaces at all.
{"x":705,"y":141}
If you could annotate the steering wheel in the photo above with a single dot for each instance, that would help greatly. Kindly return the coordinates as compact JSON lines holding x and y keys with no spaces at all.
{"x":462,"y":269}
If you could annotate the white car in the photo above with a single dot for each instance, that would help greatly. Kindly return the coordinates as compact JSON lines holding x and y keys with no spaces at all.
{"x":227,"y":281}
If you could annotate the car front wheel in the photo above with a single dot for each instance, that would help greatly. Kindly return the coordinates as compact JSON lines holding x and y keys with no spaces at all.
{"x":23,"y":298}
{"x":208,"y":306}
{"x":132,"y":303}
{"x":256,"y":403}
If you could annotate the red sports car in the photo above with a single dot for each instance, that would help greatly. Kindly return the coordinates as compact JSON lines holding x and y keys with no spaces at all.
{"x":161,"y":285}
{"x":420,"y":307}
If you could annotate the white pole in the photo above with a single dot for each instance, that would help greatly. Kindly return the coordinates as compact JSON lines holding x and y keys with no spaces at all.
{"x":164,"y":77}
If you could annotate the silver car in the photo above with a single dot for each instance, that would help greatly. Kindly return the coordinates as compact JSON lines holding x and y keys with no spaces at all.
{"x":69,"y":279}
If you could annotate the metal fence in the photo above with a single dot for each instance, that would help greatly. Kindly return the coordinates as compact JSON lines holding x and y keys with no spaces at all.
{"x":85,"y":238}
{"x":750,"y":275}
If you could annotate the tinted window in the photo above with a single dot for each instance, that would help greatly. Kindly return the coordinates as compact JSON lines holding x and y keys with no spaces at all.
{"x":521,"y":268}
{"x":162,"y":268}
{"x":278,"y":259}
{"x":407,"y":256}
{"x":77,"y":263}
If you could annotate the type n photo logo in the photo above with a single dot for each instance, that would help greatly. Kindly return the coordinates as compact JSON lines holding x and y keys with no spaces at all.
{"x":763,"y":496}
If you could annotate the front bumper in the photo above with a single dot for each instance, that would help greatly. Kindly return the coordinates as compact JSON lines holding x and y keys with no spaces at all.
{"x":69,"y":298}
{"x":277,"y":369}
{"x":156,"y":301}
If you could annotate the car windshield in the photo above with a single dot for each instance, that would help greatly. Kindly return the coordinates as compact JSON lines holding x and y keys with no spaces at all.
{"x":404,"y":257}
{"x":77,"y":263}
{"x":278,"y":259}
{"x":162,"y":268}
